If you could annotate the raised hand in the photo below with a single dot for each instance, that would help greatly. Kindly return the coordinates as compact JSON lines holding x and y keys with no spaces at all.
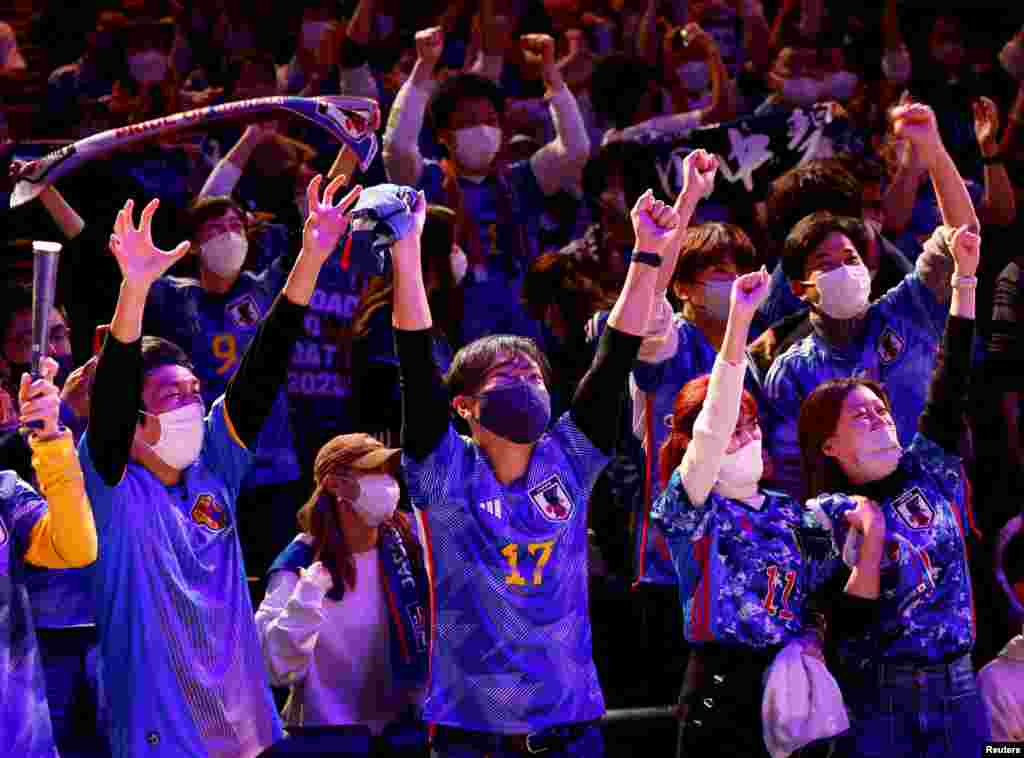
{"x":653,"y":222}
{"x":966,"y":249}
{"x":141,"y":262}
{"x":429,"y":46}
{"x":916,"y":122}
{"x":538,"y":49}
{"x":39,"y":400}
{"x":326,"y":222}
{"x":318,"y":574}
{"x":699,"y":169}
{"x":407,"y":249}
{"x":986,"y":125}
{"x":749,"y":291}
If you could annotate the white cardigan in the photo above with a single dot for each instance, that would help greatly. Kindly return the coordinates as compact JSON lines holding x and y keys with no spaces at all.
{"x":335,"y":656}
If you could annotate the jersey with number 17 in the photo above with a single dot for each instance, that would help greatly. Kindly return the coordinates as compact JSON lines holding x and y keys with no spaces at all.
{"x":511,"y":645}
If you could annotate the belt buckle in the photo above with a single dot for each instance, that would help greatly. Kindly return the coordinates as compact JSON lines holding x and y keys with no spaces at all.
{"x":531,"y":749}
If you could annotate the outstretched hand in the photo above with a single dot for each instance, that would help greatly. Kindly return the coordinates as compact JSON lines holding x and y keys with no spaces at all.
{"x":141,"y":262}
{"x":653,"y":223}
{"x":39,"y":400}
{"x":326,"y":221}
{"x":749,"y":291}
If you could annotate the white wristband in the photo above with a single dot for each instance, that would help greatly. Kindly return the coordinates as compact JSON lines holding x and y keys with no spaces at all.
{"x":964,"y":282}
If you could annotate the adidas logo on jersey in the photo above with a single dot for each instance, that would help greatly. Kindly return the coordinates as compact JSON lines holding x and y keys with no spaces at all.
{"x":492,"y":507}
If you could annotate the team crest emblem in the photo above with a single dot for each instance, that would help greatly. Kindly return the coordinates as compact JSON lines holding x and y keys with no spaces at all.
{"x":207,"y":512}
{"x":552,"y":500}
{"x":914,"y":509}
{"x":890,"y":345}
{"x":244,"y":311}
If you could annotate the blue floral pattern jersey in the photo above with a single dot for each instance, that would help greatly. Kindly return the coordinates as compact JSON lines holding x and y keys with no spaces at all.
{"x":926,"y":608}
{"x":744,"y":573}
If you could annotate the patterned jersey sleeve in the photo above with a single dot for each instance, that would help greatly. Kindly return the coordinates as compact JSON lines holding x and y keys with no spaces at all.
{"x":223,"y":452}
{"x":682,"y":524}
{"x":21,"y":507}
{"x":830,"y":511}
{"x":913,"y":300}
{"x":442,"y":472}
{"x":586,"y":460}
{"x":821,"y":557}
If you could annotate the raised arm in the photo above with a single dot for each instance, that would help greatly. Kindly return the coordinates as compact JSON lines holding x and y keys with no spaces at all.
{"x":229,"y":169}
{"x":402,"y":159}
{"x":699,"y":169}
{"x":716,"y":422}
{"x":254,"y":387}
{"x":600,"y":389}
{"x":917,"y":123}
{"x":65,"y":537}
{"x":943,"y":418}
{"x":117,"y":389}
{"x":425,"y":415}
{"x":998,"y":204}
{"x":559,"y":163}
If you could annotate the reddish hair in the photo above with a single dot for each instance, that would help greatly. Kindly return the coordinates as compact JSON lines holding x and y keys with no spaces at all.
{"x":687,"y":406}
{"x":819,"y":416}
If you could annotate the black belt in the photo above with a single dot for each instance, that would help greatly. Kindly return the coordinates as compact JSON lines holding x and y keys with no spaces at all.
{"x":552,"y":738}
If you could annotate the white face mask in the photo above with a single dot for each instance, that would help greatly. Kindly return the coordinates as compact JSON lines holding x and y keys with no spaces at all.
{"x":844,"y":291}
{"x":716,"y":299}
{"x":803,"y":91}
{"x":460,"y":264}
{"x":741,"y":471}
{"x":476,"y":147}
{"x":314,"y":32}
{"x":841,"y":86}
{"x":1012,"y":59}
{"x":896,"y":65}
{"x":148,"y":66}
{"x":225,"y":253}
{"x":181,"y":435}
{"x":378,"y":498}
{"x":694,"y":76}
{"x":877,"y":456}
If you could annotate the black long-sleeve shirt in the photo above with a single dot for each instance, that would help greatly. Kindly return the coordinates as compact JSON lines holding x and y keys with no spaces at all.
{"x":425,"y":401}
{"x":117,"y":388}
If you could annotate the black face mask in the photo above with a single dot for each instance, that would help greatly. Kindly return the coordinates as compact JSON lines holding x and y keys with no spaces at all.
{"x":518,"y":412}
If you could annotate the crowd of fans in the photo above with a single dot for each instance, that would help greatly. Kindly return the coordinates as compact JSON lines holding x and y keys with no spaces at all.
{"x":843,"y":159}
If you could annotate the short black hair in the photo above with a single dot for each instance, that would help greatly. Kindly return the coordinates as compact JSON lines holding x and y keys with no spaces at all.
{"x":706,"y":244}
{"x":453,"y":90}
{"x":470,"y":365}
{"x":817,"y":185}
{"x":157,"y":352}
{"x":810,"y":232}
{"x":203,"y":209}
{"x":617,"y":88}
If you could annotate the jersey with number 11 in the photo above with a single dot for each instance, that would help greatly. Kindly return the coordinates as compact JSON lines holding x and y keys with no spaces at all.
{"x":511,"y":648}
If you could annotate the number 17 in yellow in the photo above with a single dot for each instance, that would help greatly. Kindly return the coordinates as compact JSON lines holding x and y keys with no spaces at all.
{"x":511,"y":553}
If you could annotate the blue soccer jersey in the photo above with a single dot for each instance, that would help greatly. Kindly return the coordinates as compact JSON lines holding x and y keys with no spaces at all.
{"x":24,"y":716}
{"x":507,"y":211}
{"x":182,"y":661}
{"x":744,"y":573}
{"x":215,"y":331}
{"x":897,"y":348}
{"x":926,"y":612}
{"x":511,"y":649}
{"x":660,"y":383}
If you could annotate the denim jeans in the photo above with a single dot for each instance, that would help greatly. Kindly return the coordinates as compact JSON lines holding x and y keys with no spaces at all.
{"x":914,"y":711}
{"x":590,"y":744}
